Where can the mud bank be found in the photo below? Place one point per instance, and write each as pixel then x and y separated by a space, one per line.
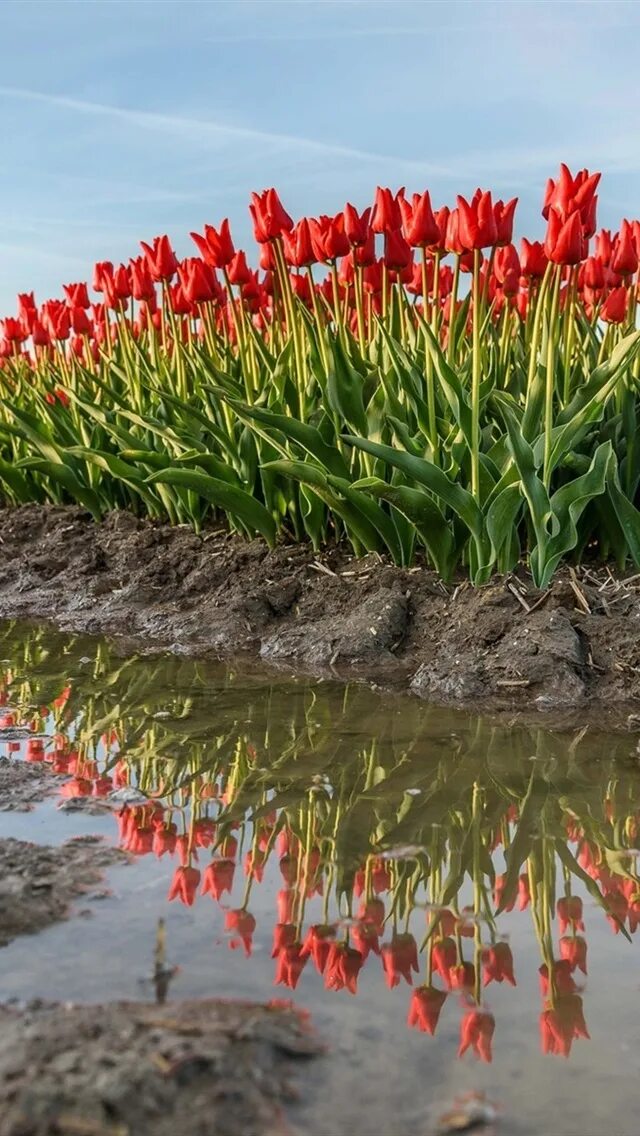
pixel 38 884
pixel 503 646
pixel 121 1069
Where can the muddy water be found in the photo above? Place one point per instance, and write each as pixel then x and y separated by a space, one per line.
pixel 404 873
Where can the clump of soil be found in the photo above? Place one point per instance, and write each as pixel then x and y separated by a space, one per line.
pixel 204 1068
pixel 505 645
pixel 38 884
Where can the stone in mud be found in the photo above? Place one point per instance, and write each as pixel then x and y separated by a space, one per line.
pixel 23 785
pixel 373 629
pixel 196 1068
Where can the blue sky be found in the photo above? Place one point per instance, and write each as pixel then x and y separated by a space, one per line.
pixel 125 120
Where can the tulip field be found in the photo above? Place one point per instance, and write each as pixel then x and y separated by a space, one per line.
pixel 403 379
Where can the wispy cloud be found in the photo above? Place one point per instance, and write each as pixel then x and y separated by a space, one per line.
pixel 199 129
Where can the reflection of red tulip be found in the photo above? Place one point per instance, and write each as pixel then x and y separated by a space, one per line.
pixel 318 945
pixel 372 912
pixel 218 878
pixel 424 1008
pixel 399 958
pixel 497 963
pixel 184 885
pixel 573 948
pixel 562 977
pixel 284 935
pixel 561 1024
pixel 569 911
pixel 616 907
pixel 476 1033
pixel 343 967
pixel 164 840
pixel 243 924
pixel 444 957
pixel 365 939
pixel 462 976
pixel 290 966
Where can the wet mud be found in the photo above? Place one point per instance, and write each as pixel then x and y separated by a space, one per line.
pixel 205 1068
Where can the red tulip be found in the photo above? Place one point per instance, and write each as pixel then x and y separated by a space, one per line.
pixel 506 267
pixel 243 925
pixel 503 216
pixel 614 308
pixel 421 228
pixel 625 255
pixel 101 271
pixel 80 321
pixel 216 246
pixel 397 254
pixel 56 318
pixel 142 286
pixel 289 966
pixel 385 215
pixel 160 257
pixel 476 1033
pixel 533 259
pixel 164 839
pixel 476 221
pixel 197 280
pixel 462 976
pixel 564 242
pixel 569 912
pixel 299 247
pixel 14 331
pixel 444 956
pixel 184 885
pixel 561 1024
pixel 238 270
pixel 573 949
pixel 317 944
pixel 284 935
pixel 218 878
pixel 498 964
pixel 27 311
pixel 328 238
pixel 270 219
pixel 399 958
pixel 356 225
pixel 77 295
pixel 425 1007
pixel 342 968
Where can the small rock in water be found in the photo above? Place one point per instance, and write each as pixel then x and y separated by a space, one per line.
pixel 469 1112
pixel 18 734
pixel 403 852
pixel 128 795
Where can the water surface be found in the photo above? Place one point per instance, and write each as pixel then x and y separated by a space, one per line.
pixel 422 881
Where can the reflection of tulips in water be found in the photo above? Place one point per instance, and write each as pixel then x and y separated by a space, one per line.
pixel 492 833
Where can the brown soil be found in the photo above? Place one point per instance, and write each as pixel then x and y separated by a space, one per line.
pixel 38 884
pixel 195 1068
pixel 505 645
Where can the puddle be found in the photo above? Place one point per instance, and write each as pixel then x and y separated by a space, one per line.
pixel 403 872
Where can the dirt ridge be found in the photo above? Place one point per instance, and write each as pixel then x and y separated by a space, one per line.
pixel 506 645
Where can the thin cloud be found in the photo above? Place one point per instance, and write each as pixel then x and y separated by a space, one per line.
pixel 198 129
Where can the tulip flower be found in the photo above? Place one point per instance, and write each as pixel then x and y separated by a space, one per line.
pixel 215 246
pixel 397 253
pixel 385 215
pixel 270 219
pixel 77 295
pixel 373 912
pixel 161 259
pixel 328 238
pixel 289 966
pixel 299 247
pixel 14 331
pixel 444 957
pixel 218 878
pixel 497 963
pixel 476 1033
pixel 421 228
pixel 242 925
pixel 564 242
pixel 476 222
pixel 317 945
pixel 533 259
pixel 561 1024
pixel 399 958
pixel 284 935
pixel 625 256
pixel 142 285
pixel 356 226
pixel 569 912
pixel 57 319
pixel 342 968
pixel 573 948
pixel 425 1008
pixel 196 280
pixel 80 321
pixel 102 271
pixel 614 308
pixel 462 976
pixel 164 839
pixel 27 310
pixel 184 885
pixel 503 216
pixel 562 977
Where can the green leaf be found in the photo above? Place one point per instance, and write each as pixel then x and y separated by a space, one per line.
pixel 422 511
pixel 229 498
